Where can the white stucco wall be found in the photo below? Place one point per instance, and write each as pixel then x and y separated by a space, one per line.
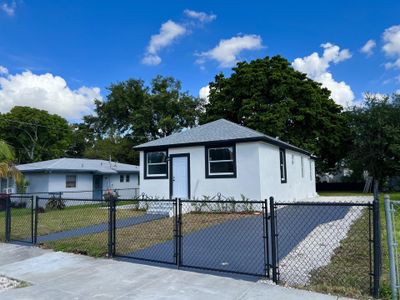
pixel 258 175
pixel 247 175
pixel 38 182
pixel 297 187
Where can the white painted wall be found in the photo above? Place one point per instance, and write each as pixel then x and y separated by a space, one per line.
pixel 38 182
pixel 258 175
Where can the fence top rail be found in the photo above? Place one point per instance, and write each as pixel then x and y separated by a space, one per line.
pixel 21 196
pixel 223 201
pixel 396 202
pixel 71 199
pixel 143 200
pixel 325 203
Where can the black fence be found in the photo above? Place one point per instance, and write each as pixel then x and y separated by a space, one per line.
pixel 318 245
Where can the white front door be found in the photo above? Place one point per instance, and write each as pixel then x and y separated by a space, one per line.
pixel 180 176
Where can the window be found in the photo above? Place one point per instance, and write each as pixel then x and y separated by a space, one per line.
pixel 302 167
pixel 121 178
pixel 282 161
pixel 127 178
pixel 156 165
pixel 70 181
pixel 220 161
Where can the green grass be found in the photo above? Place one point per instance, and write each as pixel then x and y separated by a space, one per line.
pixel 56 220
pixel 385 279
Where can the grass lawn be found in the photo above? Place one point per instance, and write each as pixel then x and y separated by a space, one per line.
pixel 141 236
pixel 59 220
pixel 344 252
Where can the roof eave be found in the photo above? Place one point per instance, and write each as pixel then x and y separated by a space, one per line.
pixel 240 140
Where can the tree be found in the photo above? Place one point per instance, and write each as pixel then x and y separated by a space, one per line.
pixel 134 113
pixel 7 168
pixel 375 131
pixel 35 134
pixel 268 95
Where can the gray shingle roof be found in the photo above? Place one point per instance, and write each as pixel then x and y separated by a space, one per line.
pixel 78 165
pixel 217 131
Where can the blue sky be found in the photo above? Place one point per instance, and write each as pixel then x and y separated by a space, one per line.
pixel 58 55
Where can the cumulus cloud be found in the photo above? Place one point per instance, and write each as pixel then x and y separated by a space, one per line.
pixel 200 16
pixel 227 51
pixel 48 92
pixel 3 70
pixel 9 9
pixel 368 47
pixel 169 32
pixel 204 92
pixel 391 46
pixel 317 68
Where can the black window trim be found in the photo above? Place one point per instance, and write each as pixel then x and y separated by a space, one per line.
pixel 145 165
pixel 219 145
pixel 282 150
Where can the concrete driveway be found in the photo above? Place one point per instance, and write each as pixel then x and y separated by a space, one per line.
pixel 57 275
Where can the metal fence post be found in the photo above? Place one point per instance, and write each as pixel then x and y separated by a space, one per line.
pixel 391 245
pixel 179 223
pixel 8 218
pixel 377 247
pixel 36 212
pixel 111 223
pixel 266 240
pixel 274 263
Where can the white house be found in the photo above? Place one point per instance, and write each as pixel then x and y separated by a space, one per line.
pixel 224 157
pixel 80 178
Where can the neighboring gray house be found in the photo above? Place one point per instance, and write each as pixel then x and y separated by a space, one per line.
pixel 80 178
pixel 224 157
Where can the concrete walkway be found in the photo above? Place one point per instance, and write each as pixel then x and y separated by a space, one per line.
pixel 57 275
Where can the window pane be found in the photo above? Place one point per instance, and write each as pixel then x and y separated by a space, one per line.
pixel 70 181
pixel 157 169
pixel 221 167
pixel 121 178
pixel 156 157
pixel 127 178
pixel 225 153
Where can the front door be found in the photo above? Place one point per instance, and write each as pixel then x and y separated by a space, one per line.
pixel 97 187
pixel 180 176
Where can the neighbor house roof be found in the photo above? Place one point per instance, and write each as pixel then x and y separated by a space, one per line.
pixel 219 131
pixel 78 165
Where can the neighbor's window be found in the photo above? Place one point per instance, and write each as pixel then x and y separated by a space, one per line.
pixel 156 164
pixel 70 181
pixel 302 167
pixel 121 178
pixel 127 178
pixel 221 161
pixel 282 162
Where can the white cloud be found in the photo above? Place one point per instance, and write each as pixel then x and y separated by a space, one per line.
pixel 9 9
pixel 3 70
pixel 227 51
pixel 368 47
pixel 201 16
pixel 169 32
pixel 48 92
pixel 391 46
pixel 204 92
pixel 317 68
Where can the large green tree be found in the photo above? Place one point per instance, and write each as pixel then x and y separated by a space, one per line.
pixel 134 113
pixel 35 134
pixel 375 131
pixel 7 167
pixel 268 95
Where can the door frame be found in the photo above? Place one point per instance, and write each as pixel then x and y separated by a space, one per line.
pixel 95 191
pixel 171 171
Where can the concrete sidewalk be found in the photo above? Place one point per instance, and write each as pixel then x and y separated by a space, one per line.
pixel 57 275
